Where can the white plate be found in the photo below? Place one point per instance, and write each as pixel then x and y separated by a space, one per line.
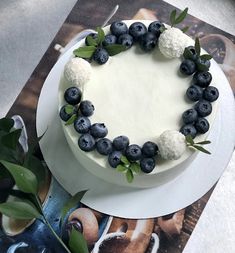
pixel 183 190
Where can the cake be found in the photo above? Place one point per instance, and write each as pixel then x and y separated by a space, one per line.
pixel 135 111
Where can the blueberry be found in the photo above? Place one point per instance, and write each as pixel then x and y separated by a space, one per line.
pixel 148 41
pixel 125 40
pixel 86 108
pixel 93 36
pixel 115 158
pixel 86 142
pixel 133 152
pixel 104 146
pixel 109 39
pixel 202 79
pixel 155 27
pixel 100 56
pixel 202 64
pixel 149 149
pixel 147 165
pixel 194 93
pixel 203 108
pixel 73 95
pixel 98 130
pixel 189 116
pixel 187 67
pixel 211 93
pixel 192 55
pixel 137 29
pixel 202 125
pixel 189 130
pixel 118 28
pixel 66 116
pixel 121 142
pixel 82 124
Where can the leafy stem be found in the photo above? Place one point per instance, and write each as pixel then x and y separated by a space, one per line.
pixel 174 19
pixel 197 145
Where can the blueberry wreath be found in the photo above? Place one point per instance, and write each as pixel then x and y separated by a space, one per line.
pixel 131 158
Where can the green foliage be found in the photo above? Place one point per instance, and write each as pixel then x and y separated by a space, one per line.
pixel 197 145
pixel 174 19
pixel 77 243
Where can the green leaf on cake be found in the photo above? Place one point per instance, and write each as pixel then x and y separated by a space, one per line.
pixel 125 160
pixel 197 46
pixel 101 35
pixel 115 49
pixel 206 57
pixel 11 139
pixel 91 41
pixel 71 120
pixel 172 17
pixel 200 148
pixel 77 242
pixel 129 176
pixel 185 29
pixel 84 52
pixel 189 139
pixel 6 124
pixel 69 109
pixel 135 167
pixel 202 67
pixel 203 142
pixel 181 16
pixel 121 168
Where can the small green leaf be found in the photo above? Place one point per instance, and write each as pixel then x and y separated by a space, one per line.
pixel 71 120
pixel 25 180
pixel 203 142
pixel 115 49
pixel 19 210
pixel 11 139
pixel 6 124
pixel 121 168
pixel 101 35
pixel 125 160
pixel 135 167
pixel 202 67
pixel 84 52
pixel 201 149
pixel 162 29
pixel 77 242
pixel 129 176
pixel 172 17
pixel 189 139
pixel 91 41
pixel 71 203
pixel 206 57
pixel 181 16
pixel 187 54
pixel 197 46
pixel 69 109
pixel 185 29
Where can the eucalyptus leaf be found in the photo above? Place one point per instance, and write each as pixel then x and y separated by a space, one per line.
pixel 84 52
pixel 11 139
pixel 121 168
pixel 189 139
pixel 71 120
pixel 197 46
pixel 201 149
pixel 135 167
pixel 25 180
pixel 73 201
pixel 19 210
pixel 115 49
pixel 173 17
pixel 6 124
pixel 181 16
pixel 91 41
pixel 125 160
pixel 69 109
pixel 185 29
pixel 203 142
pixel 129 176
pixel 77 242
pixel 206 57
pixel 100 35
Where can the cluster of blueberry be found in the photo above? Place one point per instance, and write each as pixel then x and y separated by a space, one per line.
pixel 120 34
pixel 92 136
pixel 199 91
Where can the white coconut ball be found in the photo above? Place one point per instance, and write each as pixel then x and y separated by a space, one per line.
pixel 172 42
pixel 171 145
pixel 77 71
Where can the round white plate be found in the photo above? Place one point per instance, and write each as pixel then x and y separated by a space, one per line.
pixel 126 202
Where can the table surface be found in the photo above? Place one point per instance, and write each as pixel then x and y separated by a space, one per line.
pixel 217 221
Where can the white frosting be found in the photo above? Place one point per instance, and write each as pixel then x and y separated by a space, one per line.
pixel 173 41
pixel 171 144
pixel 77 72
pixel 139 95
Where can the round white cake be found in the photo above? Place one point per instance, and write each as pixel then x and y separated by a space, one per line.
pixel 139 95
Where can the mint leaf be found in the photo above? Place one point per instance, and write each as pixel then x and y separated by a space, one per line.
pixel 71 203
pixel 181 16
pixel 71 120
pixel 6 124
pixel 197 46
pixel 25 180
pixel 11 139
pixel 121 168
pixel 201 149
pixel 202 67
pixel 69 109
pixel 189 140
pixel 203 142
pixel 135 167
pixel 172 17
pixel 129 176
pixel 115 49
pixel 77 242
pixel 185 29
pixel 125 160
pixel 206 57
pixel 101 35
pixel 84 52
pixel 19 210
pixel 91 41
